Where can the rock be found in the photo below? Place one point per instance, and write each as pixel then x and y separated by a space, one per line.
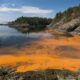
pixel 76 31
pixel 70 27
pixel 67 21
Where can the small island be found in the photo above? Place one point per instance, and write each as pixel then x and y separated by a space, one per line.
pixel 30 24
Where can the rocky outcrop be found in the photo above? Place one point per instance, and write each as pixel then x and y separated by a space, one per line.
pixel 72 27
pixel 67 21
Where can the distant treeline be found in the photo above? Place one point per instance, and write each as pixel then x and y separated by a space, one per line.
pixel 67 15
pixel 25 24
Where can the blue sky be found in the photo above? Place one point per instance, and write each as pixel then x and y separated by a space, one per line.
pixel 12 9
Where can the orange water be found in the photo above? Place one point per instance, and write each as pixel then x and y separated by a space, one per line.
pixel 40 59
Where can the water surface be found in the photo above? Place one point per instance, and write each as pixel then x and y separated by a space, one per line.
pixel 12 37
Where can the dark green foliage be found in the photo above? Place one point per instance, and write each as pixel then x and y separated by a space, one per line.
pixel 33 21
pixel 30 24
pixel 67 15
pixel 57 17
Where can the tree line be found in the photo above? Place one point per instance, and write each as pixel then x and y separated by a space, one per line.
pixel 67 15
pixel 25 24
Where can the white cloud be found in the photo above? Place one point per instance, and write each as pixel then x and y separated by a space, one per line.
pixel 26 9
pixel 35 10
pixel 6 9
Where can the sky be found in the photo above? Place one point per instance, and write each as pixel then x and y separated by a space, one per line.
pixel 12 9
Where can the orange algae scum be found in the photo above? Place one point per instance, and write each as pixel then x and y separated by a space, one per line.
pixel 45 57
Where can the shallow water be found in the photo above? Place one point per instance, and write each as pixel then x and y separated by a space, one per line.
pixel 11 37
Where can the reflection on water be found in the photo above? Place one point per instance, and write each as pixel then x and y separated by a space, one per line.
pixel 11 37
